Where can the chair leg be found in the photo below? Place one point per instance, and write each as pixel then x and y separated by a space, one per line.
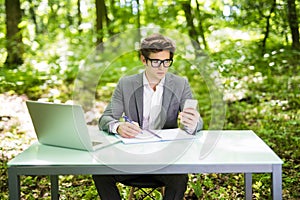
pixel 132 190
pixel 131 193
pixel 148 193
pixel 162 191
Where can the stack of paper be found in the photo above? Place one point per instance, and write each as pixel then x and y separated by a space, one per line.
pixel 158 136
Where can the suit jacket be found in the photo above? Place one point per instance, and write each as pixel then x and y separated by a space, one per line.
pixel 128 99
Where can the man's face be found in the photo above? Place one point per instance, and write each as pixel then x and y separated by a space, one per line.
pixel 156 74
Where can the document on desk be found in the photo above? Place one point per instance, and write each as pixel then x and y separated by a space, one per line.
pixel 158 136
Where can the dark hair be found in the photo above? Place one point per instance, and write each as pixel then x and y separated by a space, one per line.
pixel 156 43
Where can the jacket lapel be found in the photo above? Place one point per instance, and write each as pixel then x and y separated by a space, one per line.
pixel 139 97
pixel 167 96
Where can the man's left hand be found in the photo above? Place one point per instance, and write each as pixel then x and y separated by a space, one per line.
pixel 189 117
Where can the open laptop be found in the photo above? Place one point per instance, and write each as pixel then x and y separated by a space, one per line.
pixel 64 125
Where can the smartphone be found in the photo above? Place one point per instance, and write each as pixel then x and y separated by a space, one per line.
pixel 190 103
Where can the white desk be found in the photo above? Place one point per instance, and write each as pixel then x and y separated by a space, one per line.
pixel 211 152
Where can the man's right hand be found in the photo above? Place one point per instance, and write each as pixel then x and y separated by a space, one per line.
pixel 128 130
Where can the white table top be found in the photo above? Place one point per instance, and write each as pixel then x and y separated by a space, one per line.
pixel 232 147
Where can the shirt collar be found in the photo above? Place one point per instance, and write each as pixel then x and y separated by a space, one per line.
pixel 146 82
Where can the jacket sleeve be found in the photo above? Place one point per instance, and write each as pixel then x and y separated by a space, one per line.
pixel 114 109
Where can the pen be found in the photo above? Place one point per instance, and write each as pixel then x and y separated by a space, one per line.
pixel 153 133
pixel 127 119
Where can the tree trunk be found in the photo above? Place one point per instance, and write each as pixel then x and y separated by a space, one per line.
pixel 268 27
pixel 293 22
pixel 190 25
pixel 68 7
pixel 201 30
pixel 14 44
pixel 107 20
pixel 99 21
pixel 79 12
pixel 33 16
pixel 138 20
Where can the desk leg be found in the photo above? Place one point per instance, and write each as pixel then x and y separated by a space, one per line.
pixel 54 187
pixel 277 182
pixel 248 185
pixel 13 184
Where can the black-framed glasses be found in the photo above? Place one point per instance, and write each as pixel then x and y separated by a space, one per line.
pixel 155 63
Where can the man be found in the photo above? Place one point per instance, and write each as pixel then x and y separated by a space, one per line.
pixel 152 100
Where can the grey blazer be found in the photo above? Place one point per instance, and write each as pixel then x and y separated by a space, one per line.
pixel 128 99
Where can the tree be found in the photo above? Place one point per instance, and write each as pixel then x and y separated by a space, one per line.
pixel 293 23
pixel 268 17
pixel 138 19
pixel 14 44
pixel 79 13
pixel 99 20
pixel 186 6
pixel 32 9
pixel 101 17
pixel 201 29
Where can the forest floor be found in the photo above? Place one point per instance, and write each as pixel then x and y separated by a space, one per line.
pixel 17 134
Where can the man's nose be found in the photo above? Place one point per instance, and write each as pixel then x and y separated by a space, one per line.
pixel 161 66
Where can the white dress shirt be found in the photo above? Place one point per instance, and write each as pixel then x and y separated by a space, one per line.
pixel 152 103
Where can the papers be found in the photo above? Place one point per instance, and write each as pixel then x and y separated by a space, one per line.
pixel 158 136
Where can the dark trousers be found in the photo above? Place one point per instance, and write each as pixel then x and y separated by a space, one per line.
pixel 175 185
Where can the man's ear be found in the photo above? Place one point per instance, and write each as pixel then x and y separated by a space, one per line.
pixel 143 59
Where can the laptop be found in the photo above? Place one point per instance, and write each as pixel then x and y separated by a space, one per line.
pixel 64 125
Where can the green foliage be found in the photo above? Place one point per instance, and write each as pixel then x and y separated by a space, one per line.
pixel 24 82
pixel 217 186
pixel 3 177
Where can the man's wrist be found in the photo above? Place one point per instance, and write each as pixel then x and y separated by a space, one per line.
pixel 114 127
pixel 191 131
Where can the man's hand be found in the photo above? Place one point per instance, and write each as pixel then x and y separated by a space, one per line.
pixel 128 130
pixel 189 117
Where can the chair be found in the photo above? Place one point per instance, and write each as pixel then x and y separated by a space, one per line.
pixel 141 183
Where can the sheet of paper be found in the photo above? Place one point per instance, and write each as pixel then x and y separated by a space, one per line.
pixel 164 135
pixel 174 134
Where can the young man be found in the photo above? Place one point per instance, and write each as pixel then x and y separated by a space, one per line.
pixel 152 100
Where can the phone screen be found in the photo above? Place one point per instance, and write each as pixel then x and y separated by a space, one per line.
pixel 190 103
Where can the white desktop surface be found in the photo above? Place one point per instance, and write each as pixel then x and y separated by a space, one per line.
pixel 231 147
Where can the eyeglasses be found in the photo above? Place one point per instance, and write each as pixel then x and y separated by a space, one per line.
pixel 155 63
